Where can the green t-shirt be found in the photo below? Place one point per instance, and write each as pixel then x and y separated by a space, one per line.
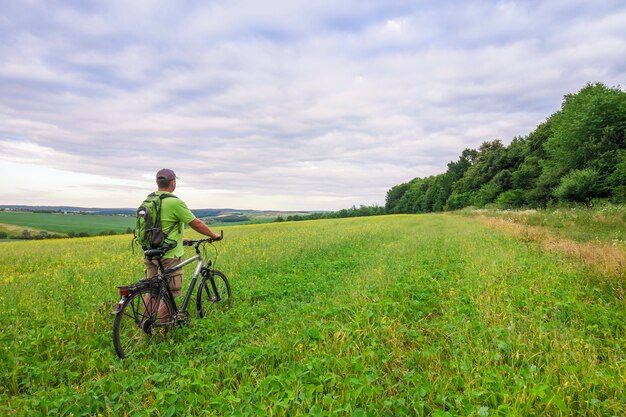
pixel 175 211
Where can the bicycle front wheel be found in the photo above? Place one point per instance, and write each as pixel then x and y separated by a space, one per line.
pixel 146 315
pixel 213 294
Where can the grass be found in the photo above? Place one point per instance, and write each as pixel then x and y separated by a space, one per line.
pixel 600 223
pixel 395 315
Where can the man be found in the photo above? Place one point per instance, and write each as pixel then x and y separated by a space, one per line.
pixel 174 215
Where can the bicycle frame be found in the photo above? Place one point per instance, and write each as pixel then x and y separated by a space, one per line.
pixel 128 290
pixel 192 283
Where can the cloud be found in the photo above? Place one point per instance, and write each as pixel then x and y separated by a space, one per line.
pixel 316 105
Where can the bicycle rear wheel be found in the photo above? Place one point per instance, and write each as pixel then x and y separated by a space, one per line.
pixel 139 323
pixel 213 294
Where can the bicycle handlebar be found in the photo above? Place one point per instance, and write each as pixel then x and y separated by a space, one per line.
pixel 198 242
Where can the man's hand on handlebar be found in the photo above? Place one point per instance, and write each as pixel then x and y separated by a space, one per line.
pixel 214 237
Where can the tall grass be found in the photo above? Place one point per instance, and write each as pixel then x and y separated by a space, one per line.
pixel 603 222
pixel 393 315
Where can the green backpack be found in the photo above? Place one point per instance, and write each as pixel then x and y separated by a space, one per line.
pixel 148 231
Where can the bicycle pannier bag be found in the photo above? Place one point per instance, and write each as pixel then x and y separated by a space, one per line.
pixel 148 231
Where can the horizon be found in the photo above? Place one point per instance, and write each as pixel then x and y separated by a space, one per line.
pixel 282 106
pixel 58 207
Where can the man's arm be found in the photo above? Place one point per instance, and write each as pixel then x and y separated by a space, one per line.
pixel 199 226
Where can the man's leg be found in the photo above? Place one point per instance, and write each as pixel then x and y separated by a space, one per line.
pixel 175 284
pixel 152 270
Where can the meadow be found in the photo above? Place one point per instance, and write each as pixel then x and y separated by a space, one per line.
pixel 432 314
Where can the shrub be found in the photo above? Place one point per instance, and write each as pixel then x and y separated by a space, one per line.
pixel 458 201
pixel 511 199
pixel 579 185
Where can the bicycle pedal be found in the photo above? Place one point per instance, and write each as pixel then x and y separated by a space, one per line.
pixel 181 316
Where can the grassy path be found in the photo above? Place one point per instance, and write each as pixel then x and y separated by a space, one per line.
pixel 395 315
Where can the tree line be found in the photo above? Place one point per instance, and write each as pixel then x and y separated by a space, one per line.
pixel 577 155
pixel 351 212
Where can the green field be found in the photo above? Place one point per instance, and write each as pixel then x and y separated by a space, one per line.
pixel 399 315
pixel 63 223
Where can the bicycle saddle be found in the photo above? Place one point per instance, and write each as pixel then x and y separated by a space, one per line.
pixel 155 253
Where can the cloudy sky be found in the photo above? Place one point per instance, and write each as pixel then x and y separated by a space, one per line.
pixel 279 104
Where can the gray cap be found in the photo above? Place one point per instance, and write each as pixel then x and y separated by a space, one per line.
pixel 167 174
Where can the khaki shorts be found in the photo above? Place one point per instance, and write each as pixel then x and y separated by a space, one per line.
pixel 176 279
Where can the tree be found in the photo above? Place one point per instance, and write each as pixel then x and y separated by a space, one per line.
pixel 412 199
pixel 500 183
pixel 456 170
pixel 438 192
pixel 491 158
pixel 590 123
pixel 525 177
pixel 394 195
pixel 617 180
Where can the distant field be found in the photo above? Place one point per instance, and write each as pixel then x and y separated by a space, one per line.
pixel 14 224
pixel 63 223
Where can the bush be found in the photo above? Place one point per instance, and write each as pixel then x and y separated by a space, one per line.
pixel 511 199
pixel 458 201
pixel 581 185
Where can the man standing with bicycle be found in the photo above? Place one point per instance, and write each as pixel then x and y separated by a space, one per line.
pixel 174 215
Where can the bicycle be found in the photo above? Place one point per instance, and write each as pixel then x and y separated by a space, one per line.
pixel 137 317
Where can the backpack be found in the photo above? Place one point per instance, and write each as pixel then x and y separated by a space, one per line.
pixel 148 231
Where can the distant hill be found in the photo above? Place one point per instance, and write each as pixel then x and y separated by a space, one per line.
pixel 209 212
pixel 69 209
